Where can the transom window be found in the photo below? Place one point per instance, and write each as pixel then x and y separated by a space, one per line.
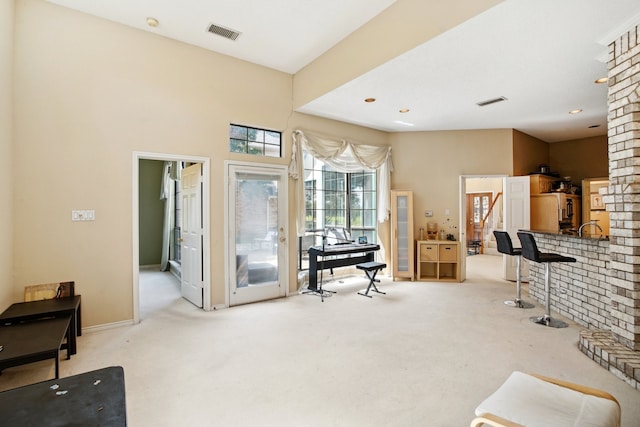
pixel 259 142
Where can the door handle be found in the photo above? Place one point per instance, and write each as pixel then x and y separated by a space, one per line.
pixel 283 239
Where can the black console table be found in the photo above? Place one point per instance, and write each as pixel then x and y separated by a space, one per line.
pixel 57 307
pixel 34 341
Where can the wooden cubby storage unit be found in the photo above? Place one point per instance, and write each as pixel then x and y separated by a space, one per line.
pixel 438 260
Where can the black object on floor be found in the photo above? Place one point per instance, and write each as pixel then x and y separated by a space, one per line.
pixel 95 398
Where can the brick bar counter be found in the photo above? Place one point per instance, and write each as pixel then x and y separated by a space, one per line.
pixel 581 292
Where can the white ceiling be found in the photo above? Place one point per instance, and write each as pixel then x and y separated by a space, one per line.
pixel 281 34
pixel 542 55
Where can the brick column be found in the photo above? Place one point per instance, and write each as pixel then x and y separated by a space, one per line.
pixel 623 200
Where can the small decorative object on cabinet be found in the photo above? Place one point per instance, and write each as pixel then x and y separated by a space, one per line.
pixel 438 260
pixel 402 257
pixel 432 231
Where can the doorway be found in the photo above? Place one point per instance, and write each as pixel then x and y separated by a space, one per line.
pixel 478 190
pixel 159 291
pixel 256 206
pixel 478 205
pixel 204 220
pixel 515 213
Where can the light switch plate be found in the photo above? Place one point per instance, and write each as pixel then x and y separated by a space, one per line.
pixel 83 215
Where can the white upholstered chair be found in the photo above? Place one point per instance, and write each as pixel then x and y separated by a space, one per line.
pixel 535 401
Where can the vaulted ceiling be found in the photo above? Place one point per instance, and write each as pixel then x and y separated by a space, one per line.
pixel 541 56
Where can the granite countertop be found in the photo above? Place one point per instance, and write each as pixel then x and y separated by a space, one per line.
pixel 572 235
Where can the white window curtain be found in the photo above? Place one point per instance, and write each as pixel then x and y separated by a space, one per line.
pixel 170 174
pixel 343 156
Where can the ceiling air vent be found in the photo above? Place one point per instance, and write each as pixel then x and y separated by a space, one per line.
pixel 491 101
pixel 227 33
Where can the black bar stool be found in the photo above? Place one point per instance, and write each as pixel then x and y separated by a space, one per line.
pixel 530 251
pixel 506 247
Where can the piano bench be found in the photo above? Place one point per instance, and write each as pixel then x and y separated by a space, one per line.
pixel 371 269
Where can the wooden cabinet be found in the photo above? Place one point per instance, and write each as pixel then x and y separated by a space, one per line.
pixel 539 184
pixel 550 212
pixel 402 255
pixel 438 260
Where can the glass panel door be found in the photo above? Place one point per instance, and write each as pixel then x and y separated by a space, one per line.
pixel 403 234
pixel 257 233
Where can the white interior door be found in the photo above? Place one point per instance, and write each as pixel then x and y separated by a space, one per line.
pixel 517 216
pixel 462 227
pixel 191 245
pixel 257 232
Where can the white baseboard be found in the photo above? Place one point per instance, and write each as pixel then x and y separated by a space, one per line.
pixel 106 326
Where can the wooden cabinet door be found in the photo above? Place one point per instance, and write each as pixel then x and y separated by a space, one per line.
pixel 540 184
pixel 545 213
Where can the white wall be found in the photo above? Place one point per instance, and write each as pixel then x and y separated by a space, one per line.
pixel 6 141
pixel 89 93
pixel 430 164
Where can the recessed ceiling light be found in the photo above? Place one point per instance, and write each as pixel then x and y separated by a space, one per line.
pixel 404 110
pixel 152 22
pixel 602 80
pixel 576 111
pixel 370 100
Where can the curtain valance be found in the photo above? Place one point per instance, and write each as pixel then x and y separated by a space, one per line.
pixel 343 156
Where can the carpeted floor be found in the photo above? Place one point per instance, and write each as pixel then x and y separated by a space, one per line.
pixel 424 354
